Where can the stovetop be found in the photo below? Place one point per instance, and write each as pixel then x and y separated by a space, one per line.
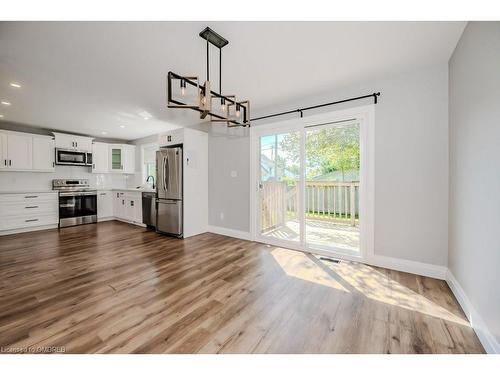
pixel 72 184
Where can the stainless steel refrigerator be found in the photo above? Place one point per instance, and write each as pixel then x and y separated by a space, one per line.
pixel 169 208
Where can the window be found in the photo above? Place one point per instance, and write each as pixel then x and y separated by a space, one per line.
pixel 150 169
pixel 149 161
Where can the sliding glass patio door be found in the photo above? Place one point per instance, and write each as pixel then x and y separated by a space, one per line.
pixel 332 174
pixel 279 187
pixel 311 192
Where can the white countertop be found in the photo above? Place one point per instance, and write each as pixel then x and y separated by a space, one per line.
pixel 140 190
pixel 27 191
pixel 42 190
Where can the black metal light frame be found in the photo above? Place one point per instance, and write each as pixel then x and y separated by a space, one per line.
pixel 218 41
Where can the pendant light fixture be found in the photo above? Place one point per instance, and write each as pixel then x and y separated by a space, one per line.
pixel 188 93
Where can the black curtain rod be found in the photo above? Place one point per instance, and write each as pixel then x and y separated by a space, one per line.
pixel 300 110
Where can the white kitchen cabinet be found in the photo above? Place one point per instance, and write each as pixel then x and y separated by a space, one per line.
pixel 115 158
pixel 128 159
pixel 119 204
pixel 18 151
pixel 100 157
pixel 133 210
pixel 171 138
pixel 43 153
pixel 73 142
pixel 26 152
pixel 3 151
pixel 121 158
pixel 104 204
pixel 127 206
pixel 21 212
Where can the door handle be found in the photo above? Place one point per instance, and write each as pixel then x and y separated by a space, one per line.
pixel 164 173
pixel 31 207
pixel 167 175
pixel 10 162
pixel 29 220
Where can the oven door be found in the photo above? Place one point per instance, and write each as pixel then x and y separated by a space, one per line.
pixel 77 208
pixel 70 157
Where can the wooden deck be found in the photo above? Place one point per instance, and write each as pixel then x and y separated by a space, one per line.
pixel 117 288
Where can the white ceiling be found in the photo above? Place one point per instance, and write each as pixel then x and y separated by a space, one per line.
pixel 89 77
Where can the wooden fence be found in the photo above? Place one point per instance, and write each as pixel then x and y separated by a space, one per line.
pixel 324 200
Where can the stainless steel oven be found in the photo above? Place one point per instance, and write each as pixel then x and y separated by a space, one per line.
pixel 73 157
pixel 77 202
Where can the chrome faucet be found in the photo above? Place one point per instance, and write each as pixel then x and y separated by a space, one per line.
pixel 147 180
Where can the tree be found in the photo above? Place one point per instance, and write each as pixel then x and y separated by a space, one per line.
pixel 327 150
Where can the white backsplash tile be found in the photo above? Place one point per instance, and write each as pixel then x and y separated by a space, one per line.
pixel 41 180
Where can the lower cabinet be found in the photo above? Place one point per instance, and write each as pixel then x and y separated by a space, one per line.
pixel 127 205
pixel 104 204
pixel 30 210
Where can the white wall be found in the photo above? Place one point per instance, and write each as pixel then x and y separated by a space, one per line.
pixel 411 165
pixel 229 195
pixel 474 241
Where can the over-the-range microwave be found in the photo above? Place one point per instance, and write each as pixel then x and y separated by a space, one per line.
pixel 73 157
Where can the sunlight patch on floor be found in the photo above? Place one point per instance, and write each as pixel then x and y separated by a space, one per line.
pixel 359 278
pixel 299 265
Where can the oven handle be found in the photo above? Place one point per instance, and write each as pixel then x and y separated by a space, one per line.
pixel 77 194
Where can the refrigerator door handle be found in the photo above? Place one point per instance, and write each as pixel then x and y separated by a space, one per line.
pixel 167 174
pixel 164 177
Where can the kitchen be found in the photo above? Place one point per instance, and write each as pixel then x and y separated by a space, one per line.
pixel 50 181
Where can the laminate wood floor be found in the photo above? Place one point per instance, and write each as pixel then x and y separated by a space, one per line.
pixel 117 288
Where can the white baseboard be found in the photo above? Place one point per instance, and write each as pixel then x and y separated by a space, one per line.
pixel 28 229
pixel 490 344
pixel 410 266
pixel 229 232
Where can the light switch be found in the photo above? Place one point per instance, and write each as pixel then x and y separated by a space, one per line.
pixel 234 174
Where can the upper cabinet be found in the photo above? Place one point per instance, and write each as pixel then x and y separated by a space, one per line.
pixel 43 153
pixel 32 152
pixel 128 159
pixel 121 158
pixel 16 150
pixel 171 138
pixel 3 151
pixel 100 152
pixel 73 142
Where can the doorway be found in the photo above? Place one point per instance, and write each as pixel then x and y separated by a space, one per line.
pixel 314 183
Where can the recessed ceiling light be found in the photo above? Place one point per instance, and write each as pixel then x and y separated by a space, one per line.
pixel 122 126
pixel 1 116
pixel 5 103
pixel 104 133
pixel 16 85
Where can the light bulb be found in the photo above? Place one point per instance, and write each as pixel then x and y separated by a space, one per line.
pixel 237 110
pixel 183 87
pixel 223 104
